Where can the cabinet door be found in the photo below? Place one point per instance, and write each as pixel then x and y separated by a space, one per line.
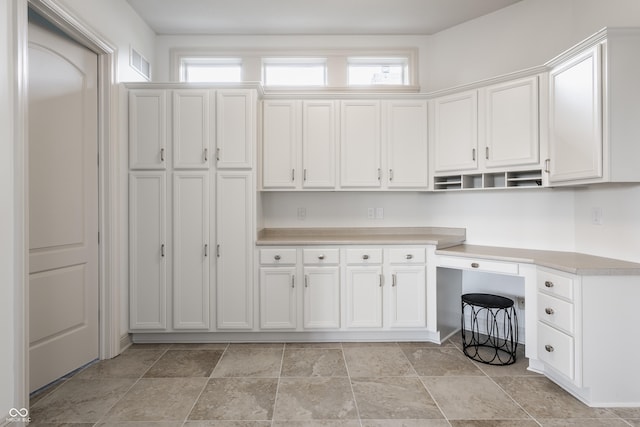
pixel 235 121
pixel 360 144
pixel 319 144
pixel 322 297
pixel 191 250
pixel 280 144
pixel 148 250
pixel 511 123
pixel 147 129
pixel 192 117
pixel 408 296
pixel 234 251
pixel 575 120
pixel 405 131
pixel 278 300
pixel 456 132
pixel 364 297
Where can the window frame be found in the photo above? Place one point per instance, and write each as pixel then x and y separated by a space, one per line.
pixel 210 61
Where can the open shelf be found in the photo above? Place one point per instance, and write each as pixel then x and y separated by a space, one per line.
pixel 489 180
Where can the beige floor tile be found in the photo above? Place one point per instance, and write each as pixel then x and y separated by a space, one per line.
pixel 626 412
pixel 140 424
pixel 249 362
pixel 184 363
pixel 405 423
pixel 443 361
pixel 377 362
pixel 543 399
pixel 130 364
pixel 249 399
pixel 199 346
pixel 634 422
pixel 472 398
pixel 332 345
pixel 256 345
pixel 317 423
pixel 494 423
pixel 582 422
pixel 423 344
pixel 224 423
pixel 369 344
pixel 80 401
pixel 157 399
pixel 315 398
pixel 393 398
pixel 149 346
pixel 312 362
pixel 516 369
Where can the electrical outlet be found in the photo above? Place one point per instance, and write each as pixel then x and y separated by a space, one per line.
pixel 371 213
pixel 520 302
pixel 302 213
pixel 379 213
pixel 596 216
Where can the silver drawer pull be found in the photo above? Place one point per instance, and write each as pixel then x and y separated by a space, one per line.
pixel 393 280
pixel 277 257
pixel 365 256
pixel 409 256
pixel 549 348
pixel 475 265
pixel 162 154
pixel 548 284
pixel 321 257
pixel 206 155
pixel 293 281
pixel 549 310
pixel 206 250
pixel 162 250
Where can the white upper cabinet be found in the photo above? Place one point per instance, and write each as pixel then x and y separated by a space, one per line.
pixel 192 128
pixel 319 135
pixel 148 129
pixel 511 135
pixel 235 122
pixel 456 132
pixel 281 144
pixel 593 113
pixel 404 129
pixel 360 144
pixel 575 117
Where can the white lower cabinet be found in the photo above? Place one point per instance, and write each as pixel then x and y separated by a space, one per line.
pixel 364 296
pixel 278 300
pixel 342 288
pixel 321 297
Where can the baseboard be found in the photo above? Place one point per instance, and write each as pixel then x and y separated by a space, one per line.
pixel 125 342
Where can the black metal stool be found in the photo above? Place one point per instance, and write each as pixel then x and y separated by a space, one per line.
pixel 497 341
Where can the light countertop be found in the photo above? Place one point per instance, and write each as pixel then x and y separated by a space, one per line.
pixel 570 262
pixel 441 237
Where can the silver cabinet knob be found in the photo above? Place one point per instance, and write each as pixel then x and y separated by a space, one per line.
pixel 277 257
pixel 549 348
pixel 475 265
pixel 321 257
pixel 409 256
pixel 365 256
pixel 549 310
pixel 548 284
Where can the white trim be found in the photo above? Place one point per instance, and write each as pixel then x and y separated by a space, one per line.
pixel 109 334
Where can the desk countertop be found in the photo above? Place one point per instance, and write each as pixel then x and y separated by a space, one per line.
pixel 570 262
pixel 441 237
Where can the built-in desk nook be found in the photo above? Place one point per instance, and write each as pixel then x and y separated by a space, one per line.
pixel 580 315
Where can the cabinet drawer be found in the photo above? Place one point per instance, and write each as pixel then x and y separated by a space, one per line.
pixel 407 256
pixel 364 256
pixel 555 312
pixel 478 264
pixel 555 348
pixel 320 256
pixel 555 284
pixel 278 256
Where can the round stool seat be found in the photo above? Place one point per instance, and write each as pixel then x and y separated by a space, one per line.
pixel 489 328
pixel 487 300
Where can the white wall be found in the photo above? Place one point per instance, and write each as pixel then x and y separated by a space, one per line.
pixel 118 23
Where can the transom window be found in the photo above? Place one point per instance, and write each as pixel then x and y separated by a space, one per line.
pixel 211 70
pixel 294 71
pixel 377 71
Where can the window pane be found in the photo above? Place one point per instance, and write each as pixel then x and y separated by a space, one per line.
pixel 368 74
pixel 212 73
pixel 294 75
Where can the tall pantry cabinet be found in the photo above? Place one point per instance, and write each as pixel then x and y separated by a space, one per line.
pixel 191 190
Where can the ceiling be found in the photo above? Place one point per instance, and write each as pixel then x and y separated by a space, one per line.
pixel 308 17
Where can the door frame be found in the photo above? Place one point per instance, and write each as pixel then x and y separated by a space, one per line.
pixel 108 183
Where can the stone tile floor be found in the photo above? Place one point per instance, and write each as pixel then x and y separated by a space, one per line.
pixel 309 385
